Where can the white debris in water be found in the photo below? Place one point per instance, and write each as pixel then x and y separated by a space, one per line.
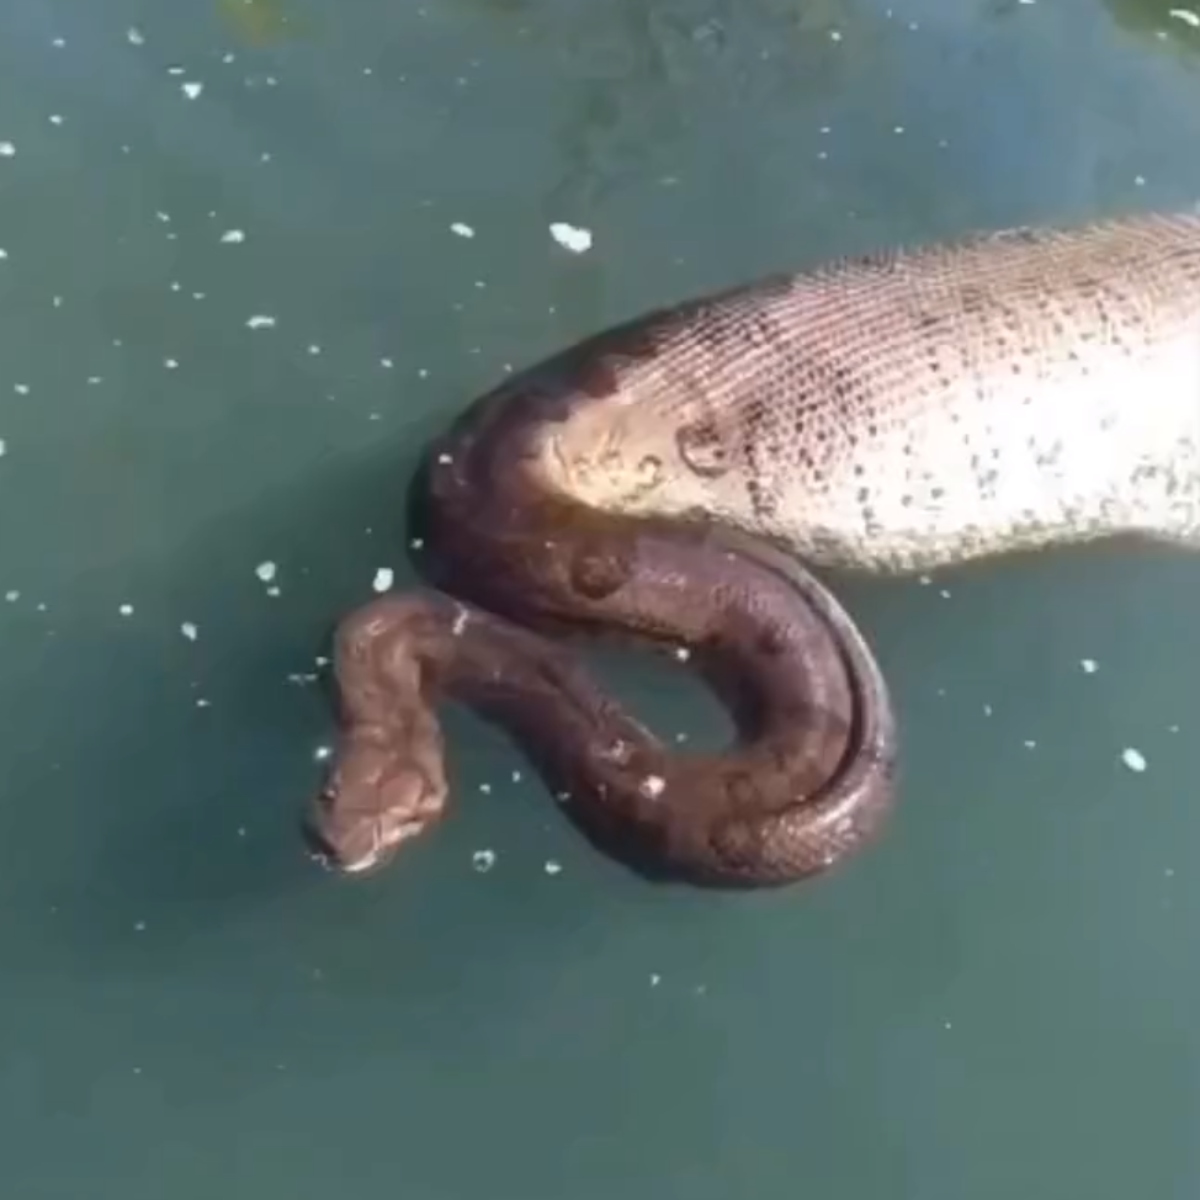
pixel 483 860
pixel 1133 759
pixel 383 580
pixel 3 253
pixel 572 237
pixel 682 653
pixel 987 710
pixel 944 593
pixel 231 236
pixel 322 754
pixel 12 595
pixel 126 610
pixel 273 591
pixel 22 389
pixel 486 788
pixel 56 119
pixel 462 230
pixel 1090 665
pixel 552 867
pixel 7 149
pixel 655 979
pixel 134 36
pixel 266 571
pixel 1186 16
pixel 192 89
pixel 3 447
pixel 1030 744
pixel 139 926
pixel 261 321
pixel 171 363
pixel 189 631
pixel 202 703
pixel 652 785
pixel 387 363
pixel 516 777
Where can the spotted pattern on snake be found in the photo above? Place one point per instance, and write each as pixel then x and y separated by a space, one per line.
pixel 668 480
pixel 920 407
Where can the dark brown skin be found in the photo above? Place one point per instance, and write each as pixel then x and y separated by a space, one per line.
pixel 811 776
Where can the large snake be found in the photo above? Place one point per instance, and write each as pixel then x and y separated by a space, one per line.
pixel 664 480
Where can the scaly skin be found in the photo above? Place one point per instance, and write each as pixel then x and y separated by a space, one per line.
pixel 890 413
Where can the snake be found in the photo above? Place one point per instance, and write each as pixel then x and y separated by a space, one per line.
pixel 676 481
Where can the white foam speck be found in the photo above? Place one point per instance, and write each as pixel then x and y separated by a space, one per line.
pixel 552 867
pixel 1186 16
pixel 171 363
pixel 3 447
pixel 462 230
pixel 134 36
pixel 189 631
pixel 483 860
pixel 266 571
pixel 191 89
pixel 1030 744
pixel 261 321
pixel 55 119
pixel 22 389
pixel 383 580
pixel 572 237
pixel 7 149
pixel 230 236
pixel 652 785
pixel 126 610
pixel 1089 665
pixel 12 596
pixel 3 253
pixel 1133 759
pixel 655 979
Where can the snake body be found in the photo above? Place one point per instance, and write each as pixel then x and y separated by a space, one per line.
pixel 664 481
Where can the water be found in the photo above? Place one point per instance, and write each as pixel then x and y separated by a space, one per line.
pixel 994 1002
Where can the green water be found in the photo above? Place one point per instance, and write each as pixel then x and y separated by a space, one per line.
pixel 992 1004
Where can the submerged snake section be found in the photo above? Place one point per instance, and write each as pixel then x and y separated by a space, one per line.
pixel 663 483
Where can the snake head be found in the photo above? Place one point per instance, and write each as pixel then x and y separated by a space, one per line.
pixel 385 787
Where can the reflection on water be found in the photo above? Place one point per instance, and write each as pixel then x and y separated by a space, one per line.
pixel 259 22
pixel 1173 21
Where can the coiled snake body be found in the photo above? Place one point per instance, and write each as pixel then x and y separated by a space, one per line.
pixel 664 481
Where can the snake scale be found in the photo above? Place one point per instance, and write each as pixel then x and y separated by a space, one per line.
pixel 670 480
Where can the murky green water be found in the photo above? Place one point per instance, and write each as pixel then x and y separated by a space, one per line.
pixel 993 1004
